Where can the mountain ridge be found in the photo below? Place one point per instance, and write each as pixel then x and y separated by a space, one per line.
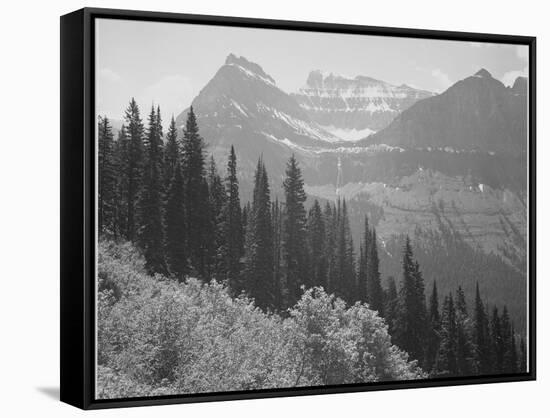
pixel 357 103
pixel 476 113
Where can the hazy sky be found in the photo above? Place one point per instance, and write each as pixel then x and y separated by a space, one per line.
pixel 169 63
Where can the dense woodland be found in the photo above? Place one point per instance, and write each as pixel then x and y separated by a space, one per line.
pixel 162 194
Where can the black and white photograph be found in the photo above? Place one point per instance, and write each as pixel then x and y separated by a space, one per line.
pixel 282 209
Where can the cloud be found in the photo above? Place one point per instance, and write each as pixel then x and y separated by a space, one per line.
pixel 443 80
pixel 509 77
pixel 109 75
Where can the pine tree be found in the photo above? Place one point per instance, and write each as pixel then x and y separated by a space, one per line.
pixel 217 203
pixel 176 256
pixel 420 302
pixel 196 195
pixel 329 216
pixel 233 226
pixel 120 186
pixel 446 363
pixel 497 347
pixel 132 165
pixel 391 307
pixel 106 196
pixel 151 229
pixel 410 326
pixel 258 269
pixel 508 344
pixel 316 242
pixel 464 342
pixel 362 272
pixel 348 271
pixel 481 338
pixel 294 232
pixel 375 295
pixel 434 331
pixel 276 231
pixel 343 275
pixel 172 153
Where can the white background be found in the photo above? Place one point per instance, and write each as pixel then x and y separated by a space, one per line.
pixel 29 207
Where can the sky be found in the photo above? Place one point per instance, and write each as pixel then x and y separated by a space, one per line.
pixel 167 64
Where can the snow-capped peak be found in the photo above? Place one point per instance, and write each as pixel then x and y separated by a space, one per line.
pixel 249 68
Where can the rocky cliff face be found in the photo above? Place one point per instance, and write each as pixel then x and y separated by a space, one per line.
pixel 352 108
pixel 490 219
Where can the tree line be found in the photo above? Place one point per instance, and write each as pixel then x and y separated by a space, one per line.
pixel 450 340
pixel 163 193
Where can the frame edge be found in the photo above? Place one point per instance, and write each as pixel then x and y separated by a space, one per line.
pixel 72 306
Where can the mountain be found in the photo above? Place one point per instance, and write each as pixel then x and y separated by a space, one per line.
pixel 476 114
pixel 243 106
pixel 352 108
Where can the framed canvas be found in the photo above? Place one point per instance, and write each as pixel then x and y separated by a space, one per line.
pixel 255 208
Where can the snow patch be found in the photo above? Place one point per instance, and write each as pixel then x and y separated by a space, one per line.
pixel 370 150
pixel 301 127
pixel 239 108
pixel 351 135
pixel 254 75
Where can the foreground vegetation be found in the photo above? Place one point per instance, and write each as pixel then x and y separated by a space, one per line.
pixel 157 336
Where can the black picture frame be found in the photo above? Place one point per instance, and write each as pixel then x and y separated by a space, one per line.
pixel 77 372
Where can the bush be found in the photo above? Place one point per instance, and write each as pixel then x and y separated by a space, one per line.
pixel 157 336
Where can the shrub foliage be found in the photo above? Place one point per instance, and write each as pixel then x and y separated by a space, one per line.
pixel 157 336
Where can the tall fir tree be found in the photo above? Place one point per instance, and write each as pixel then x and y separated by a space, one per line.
pixel 329 217
pixel 362 271
pixel 233 240
pixel 258 269
pixel 294 232
pixel 508 343
pixel 172 153
pixel 132 166
pixel 151 229
pixel 176 233
pixel 464 349
pixel 121 186
pixel 481 337
pixel 446 363
pixel 316 243
pixel 343 274
pixel 375 293
pixel 434 331
pixel 217 203
pixel 106 196
pixel 497 344
pixel 196 196
pixel 277 233
pixel 410 325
